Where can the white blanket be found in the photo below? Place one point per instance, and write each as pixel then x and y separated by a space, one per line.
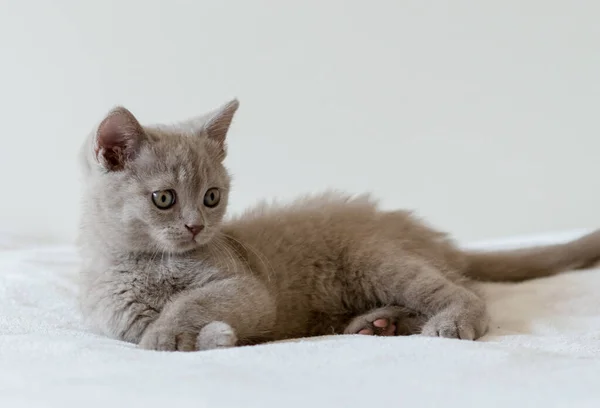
pixel 543 350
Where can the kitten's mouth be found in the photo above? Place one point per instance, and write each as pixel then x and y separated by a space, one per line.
pixel 201 239
pixel 188 244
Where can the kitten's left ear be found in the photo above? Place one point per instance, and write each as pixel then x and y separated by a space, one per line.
pixel 118 139
pixel 216 125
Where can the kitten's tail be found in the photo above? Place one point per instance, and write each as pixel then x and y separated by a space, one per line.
pixel 530 263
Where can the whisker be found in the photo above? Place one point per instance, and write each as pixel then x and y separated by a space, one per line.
pixel 222 246
pixel 262 258
pixel 228 248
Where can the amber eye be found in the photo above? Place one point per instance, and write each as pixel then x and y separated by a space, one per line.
pixel 212 197
pixel 164 199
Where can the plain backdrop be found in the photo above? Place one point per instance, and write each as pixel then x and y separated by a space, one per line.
pixel 481 115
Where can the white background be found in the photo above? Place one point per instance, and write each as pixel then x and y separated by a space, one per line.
pixel 481 115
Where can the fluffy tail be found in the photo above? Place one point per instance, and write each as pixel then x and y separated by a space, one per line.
pixel 530 263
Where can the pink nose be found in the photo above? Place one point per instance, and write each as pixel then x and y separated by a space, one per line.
pixel 195 229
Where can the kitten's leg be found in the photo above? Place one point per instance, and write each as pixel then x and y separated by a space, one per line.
pixel 220 314
pixel 452 310
pixel 386 321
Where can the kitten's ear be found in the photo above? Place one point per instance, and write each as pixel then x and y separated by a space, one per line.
pixel 118 139
pixel 217 123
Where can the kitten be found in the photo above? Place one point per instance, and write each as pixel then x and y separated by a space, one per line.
pixel 163 269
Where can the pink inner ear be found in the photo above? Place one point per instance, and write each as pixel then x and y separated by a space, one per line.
pixel 119 136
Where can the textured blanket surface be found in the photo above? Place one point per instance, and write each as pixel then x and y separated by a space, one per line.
pixel 543 350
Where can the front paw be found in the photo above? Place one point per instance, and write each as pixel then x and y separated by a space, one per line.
pixel 216 335
pixel 168 339
pixel 213 335
pixel 458 323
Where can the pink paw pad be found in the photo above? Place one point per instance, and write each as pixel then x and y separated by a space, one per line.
pixel 379 327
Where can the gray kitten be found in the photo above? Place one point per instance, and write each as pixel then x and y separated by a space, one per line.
pixel 161 268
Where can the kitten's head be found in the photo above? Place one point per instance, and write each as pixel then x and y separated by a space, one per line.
pixel 156 188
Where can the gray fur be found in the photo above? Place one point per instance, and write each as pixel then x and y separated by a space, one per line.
pixel 324 264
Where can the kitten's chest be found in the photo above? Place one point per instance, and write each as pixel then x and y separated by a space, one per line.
pixel 156 282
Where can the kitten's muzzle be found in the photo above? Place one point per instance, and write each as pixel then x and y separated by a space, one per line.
pixel 194 229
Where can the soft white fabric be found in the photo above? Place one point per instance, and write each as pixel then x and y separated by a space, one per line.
pixel 543 350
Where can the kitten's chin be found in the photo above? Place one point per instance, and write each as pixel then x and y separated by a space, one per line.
pixel 181 247
pixel 176 247
pixel 187 247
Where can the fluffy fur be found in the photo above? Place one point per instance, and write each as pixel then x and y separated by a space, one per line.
pixel 324 264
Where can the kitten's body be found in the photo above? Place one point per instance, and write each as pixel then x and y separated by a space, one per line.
pixel 322 265
pixel 324 258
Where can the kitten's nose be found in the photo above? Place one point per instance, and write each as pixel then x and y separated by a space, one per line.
pixel 195 229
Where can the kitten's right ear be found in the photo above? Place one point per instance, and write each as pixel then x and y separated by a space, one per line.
pixel 118 139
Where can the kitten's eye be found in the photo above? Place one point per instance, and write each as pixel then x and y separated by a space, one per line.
pixel 212 197
pixel 164 199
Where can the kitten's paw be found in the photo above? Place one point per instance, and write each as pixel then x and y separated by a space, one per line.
pixel 165 339
pixel 458 323
pixel 216 335
pixel 385 321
